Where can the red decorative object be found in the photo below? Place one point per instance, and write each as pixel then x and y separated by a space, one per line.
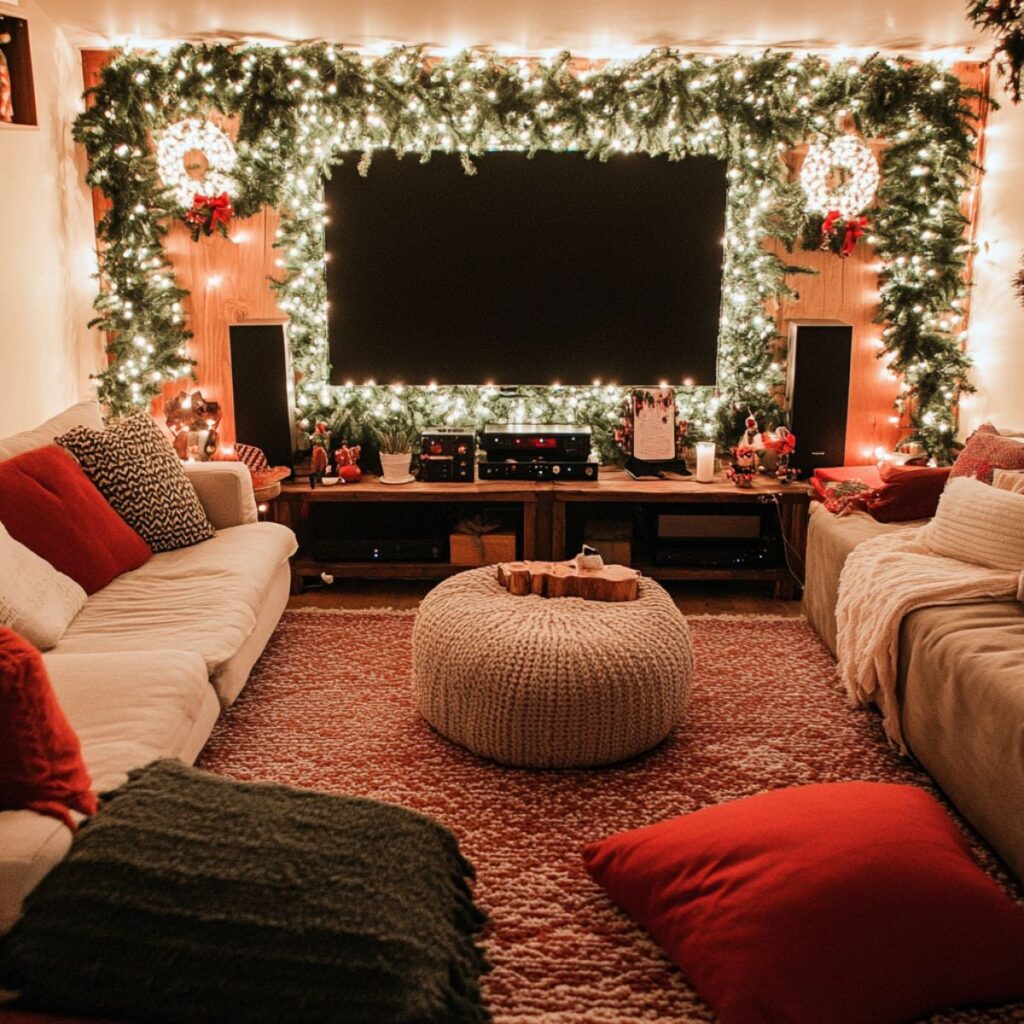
pixel 561 950
pixel 853 229
pixel 50 505
pixel 852 904
pixel 209 214
pixel 907 492
pixel 41 766
pixel 986 450
pixel 263 474
pixel 346 459
pixel 320 439
pixel 744 466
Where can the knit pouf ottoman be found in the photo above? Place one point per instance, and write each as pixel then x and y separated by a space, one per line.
pixel 542 682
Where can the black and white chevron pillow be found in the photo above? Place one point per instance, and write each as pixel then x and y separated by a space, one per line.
pixel 135 468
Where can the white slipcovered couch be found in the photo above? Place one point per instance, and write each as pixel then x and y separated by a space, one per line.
pixel 145 668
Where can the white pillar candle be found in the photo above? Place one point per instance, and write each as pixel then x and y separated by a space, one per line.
pixel 705 462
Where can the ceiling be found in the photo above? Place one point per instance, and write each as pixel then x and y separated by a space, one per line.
pixel 595 28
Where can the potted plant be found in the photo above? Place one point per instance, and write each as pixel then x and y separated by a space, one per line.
pixel 395 455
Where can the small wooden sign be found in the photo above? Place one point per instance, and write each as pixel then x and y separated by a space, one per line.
pixel 564 579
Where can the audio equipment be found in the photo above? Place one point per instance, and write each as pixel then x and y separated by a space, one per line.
pixel 261 381
pixel 558 442
pixel 716 536
pixel 447 455
pixel 818 391
pixel 540 469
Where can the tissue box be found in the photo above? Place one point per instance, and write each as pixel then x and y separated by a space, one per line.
pixel 483 548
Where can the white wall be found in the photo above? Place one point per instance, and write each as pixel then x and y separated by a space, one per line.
pixel 46 243
pixel 996 338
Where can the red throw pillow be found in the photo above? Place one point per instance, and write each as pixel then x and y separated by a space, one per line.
pixel 985 451
pixel 41 766
pixel 907 492
pixel 851 903
pixel 50 505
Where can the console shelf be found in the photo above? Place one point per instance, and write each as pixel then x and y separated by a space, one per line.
pixel 543 513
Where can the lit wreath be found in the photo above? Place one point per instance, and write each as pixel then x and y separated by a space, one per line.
pixel 174 142
pixel 856 192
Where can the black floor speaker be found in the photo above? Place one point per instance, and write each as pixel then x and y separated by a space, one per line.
pixel 818 391
pixel 261 380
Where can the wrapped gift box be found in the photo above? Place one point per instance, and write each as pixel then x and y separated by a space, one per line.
pixel 483 548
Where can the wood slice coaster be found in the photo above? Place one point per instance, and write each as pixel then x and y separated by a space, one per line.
pixel 564 579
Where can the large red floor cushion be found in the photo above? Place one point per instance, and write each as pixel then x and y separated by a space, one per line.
pixel 846 903
pixel 49 505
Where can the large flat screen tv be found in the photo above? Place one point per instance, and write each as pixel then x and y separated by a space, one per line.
pixel 555 269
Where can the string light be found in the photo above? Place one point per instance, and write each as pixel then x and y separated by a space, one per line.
pixel 859 171
pixel 340 102
pixel 176 141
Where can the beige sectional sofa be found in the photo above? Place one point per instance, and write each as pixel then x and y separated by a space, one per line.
pixel 147 665
pixel 960 687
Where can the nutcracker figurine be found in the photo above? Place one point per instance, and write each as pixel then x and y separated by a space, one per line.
pixel 320 440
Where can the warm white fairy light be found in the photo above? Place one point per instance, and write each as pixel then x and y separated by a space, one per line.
pixel 181 138
pixel 855 162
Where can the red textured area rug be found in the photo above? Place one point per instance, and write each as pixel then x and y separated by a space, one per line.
pixel 329 707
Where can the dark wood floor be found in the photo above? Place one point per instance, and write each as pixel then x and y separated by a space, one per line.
pixel 692 598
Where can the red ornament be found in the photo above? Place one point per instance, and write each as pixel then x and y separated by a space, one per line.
pixel 350 474
pixel 209 214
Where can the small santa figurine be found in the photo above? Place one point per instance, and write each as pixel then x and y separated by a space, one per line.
pixel 752 437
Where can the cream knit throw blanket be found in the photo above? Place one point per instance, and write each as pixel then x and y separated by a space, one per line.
pixel 884 580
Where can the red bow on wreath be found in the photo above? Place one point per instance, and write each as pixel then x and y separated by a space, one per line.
pixel 209 214
pixel 854 229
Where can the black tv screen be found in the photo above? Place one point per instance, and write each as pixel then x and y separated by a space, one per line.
pixel 555 269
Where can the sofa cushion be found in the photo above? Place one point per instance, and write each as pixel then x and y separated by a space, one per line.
pixel 84 414
pixel 202 599
pixel 980 524
pixel 41 766
pixel 36 601
pixel 135 468
pixel 961 697
pixel 48 504
pixel 31 845
pixel 986 451
pixel 134 707
pixel 852 903
pixel 128 710
pixel 830 539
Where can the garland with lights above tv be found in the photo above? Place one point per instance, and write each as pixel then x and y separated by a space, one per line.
pixel 300 107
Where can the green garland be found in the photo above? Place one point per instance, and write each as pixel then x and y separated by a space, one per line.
pixel 301 108
pixel 1006 19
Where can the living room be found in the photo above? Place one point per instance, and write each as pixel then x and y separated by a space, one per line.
pixel 511 515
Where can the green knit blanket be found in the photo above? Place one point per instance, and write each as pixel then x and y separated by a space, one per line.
pixel 192 898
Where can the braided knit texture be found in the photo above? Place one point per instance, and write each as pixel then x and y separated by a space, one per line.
pixel 192 899
pixel 550 682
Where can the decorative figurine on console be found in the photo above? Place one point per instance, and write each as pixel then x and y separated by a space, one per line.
pixel 782 443
pixel 193 423
pixel 744 465
pixel 346 460
pixel 752 437
pixel 320 440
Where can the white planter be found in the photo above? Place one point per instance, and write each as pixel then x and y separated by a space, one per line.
pixel 395 467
